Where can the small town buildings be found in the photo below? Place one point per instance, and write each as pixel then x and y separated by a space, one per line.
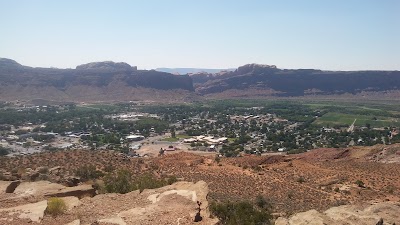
pixel 134 137
pixel 170 148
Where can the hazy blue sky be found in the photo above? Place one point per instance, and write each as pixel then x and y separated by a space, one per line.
pixel 334 34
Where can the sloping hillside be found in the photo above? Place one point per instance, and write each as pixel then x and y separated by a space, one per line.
pixel 318 179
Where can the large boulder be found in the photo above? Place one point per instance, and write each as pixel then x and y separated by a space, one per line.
pixel 172 204
pixel 8 186
pixel 33 212
pixel 77 191
pixel 178 203
pixel 39 188
pixel 48 189
pixel 312 217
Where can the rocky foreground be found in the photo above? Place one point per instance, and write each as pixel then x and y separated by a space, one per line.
pixel 173 204
pixel 26 202
pixel 374 213
pixel 323 186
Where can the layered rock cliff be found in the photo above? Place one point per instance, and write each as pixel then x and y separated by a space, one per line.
pixel 101 81
pixel 265 80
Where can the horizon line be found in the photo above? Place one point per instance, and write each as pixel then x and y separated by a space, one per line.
pixel 200 67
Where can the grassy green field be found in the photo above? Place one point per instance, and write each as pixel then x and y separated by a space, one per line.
pixel 183 136
pixel 231 140
pixel 333 118
pixel 178 136
pixel 170 139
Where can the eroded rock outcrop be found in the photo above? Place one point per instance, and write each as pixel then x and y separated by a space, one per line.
pixel 48 189
pixel 347 214
pixel 173 204
pixel 32 212
pixel 179 203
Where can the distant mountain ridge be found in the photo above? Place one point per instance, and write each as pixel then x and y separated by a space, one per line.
pixel 106 65
pixel 8 62
pixel 191 70
pixel 265 80
pixel 99 81
pixel 111 81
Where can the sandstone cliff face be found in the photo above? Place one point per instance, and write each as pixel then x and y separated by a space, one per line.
pixel 110 81
pixel 268 80
pixel 100 81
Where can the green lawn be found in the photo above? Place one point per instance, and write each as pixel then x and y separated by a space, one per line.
pixel 170 139
pixel 178 136
pixel 184 136
pixel 334 118
pixel 231 140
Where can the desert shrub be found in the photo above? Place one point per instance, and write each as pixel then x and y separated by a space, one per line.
pixel 147 181
pixel 14 171
pixel 120 182
pixel 262 203
pixel 4 151
pixel 300 180
pixel 43 177
pixel 256 168
pixel 360 183
pixel 99 186
pixel 109 169
pixel 154 167
pixel 55 206
pixel 240 213
pixel 171 180
pixel 390 189
pixel 43 170
pixel 88 172
pixel 123 182
pixel 290 194
pixel 21 171
pixel 346 192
